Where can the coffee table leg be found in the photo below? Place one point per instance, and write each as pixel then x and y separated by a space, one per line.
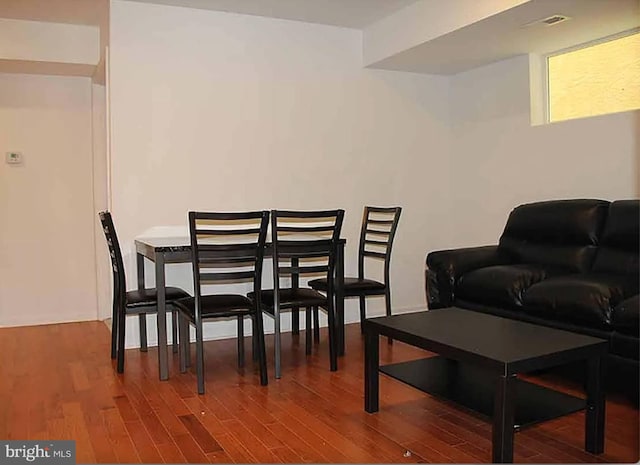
pixel 503 417
pixel 371 365
pixel 595 415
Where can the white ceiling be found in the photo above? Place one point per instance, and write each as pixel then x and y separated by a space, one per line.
pixel 345 13
pixel 506 35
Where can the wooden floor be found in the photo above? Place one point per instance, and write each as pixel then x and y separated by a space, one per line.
pixel 58 382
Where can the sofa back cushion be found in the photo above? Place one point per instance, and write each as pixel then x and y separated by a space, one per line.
pixel 618 251
pixel 559 233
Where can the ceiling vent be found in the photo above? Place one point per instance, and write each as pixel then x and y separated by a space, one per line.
pixel 555 19
pixel 550 21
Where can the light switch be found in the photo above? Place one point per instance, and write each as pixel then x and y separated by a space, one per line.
pixel 14 158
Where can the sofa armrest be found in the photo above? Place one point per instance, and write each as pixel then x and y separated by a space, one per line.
pixel 444 267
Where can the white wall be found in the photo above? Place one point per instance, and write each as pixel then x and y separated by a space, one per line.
pixel 47 265
pixel 217 111
pixel 500 160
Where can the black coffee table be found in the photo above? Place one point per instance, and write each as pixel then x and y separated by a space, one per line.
pixel 480 356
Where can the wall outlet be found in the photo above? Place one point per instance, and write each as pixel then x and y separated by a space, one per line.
pixel 14 158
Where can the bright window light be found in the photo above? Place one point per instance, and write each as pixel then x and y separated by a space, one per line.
pixel 596 79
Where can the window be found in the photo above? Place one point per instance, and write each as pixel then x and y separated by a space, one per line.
pixel 595 79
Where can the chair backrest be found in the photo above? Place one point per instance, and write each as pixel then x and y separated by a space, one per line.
pixel 379 226
pixel 227 248
pixel 117 265
pixel 305 242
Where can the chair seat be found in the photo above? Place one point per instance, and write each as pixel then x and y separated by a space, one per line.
pixel 216 305
pixel 300 297
pixel 352 286
pixel 149 297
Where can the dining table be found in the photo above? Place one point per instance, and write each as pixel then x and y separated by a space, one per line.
pixel 164 250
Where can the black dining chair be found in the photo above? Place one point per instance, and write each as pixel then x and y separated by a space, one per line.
pixel 378 230
pixel 139 302
pixel 303 243
pixel 226 248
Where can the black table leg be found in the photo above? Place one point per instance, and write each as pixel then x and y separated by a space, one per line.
pixel 503 415
pixel 163 356
pixel 142 318
pixel 595 414
pixel 371 365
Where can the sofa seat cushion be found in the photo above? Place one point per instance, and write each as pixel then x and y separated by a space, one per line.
pixel 500 285
pixel 586 299
pixel 625 316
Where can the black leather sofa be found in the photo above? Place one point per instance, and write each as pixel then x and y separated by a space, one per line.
pixel 569 264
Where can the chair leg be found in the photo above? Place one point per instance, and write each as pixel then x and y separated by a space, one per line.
pixel 363 312
pixel 387 302
pixel 199 357
pixel 258 334
pixel 122 317
pixel 240 342
pixel 187 353
pixel 308 330
pixel 255 349
pixel 142 319
pixel 277 344
pixel 333 340
pixel 183 326
pixel 174 331
pixel 114 330
pixel 316 325
pixel 295 321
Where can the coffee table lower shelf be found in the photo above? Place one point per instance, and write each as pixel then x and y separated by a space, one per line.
pixel 474 388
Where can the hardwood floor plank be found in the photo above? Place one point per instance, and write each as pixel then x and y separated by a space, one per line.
pixel 79 376
pixel 308 434
pixel 125 408
pixel 206 442
pixel 148 417
pixel 219 457
pixel 76 429
pixel 170 453
pixel 237 451
pixel 302 448
pixel 251 442
pixel 206 417
pixel 286 455
pixel 143 442
pixel 434 455
pixel 119 437
pixel 190 449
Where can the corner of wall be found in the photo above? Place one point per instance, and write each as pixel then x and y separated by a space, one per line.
pixel 538 89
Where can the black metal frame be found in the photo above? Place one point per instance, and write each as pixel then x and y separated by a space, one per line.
pixel 377 232
pixel 225 242
pixel 120 305
pixel 290 258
